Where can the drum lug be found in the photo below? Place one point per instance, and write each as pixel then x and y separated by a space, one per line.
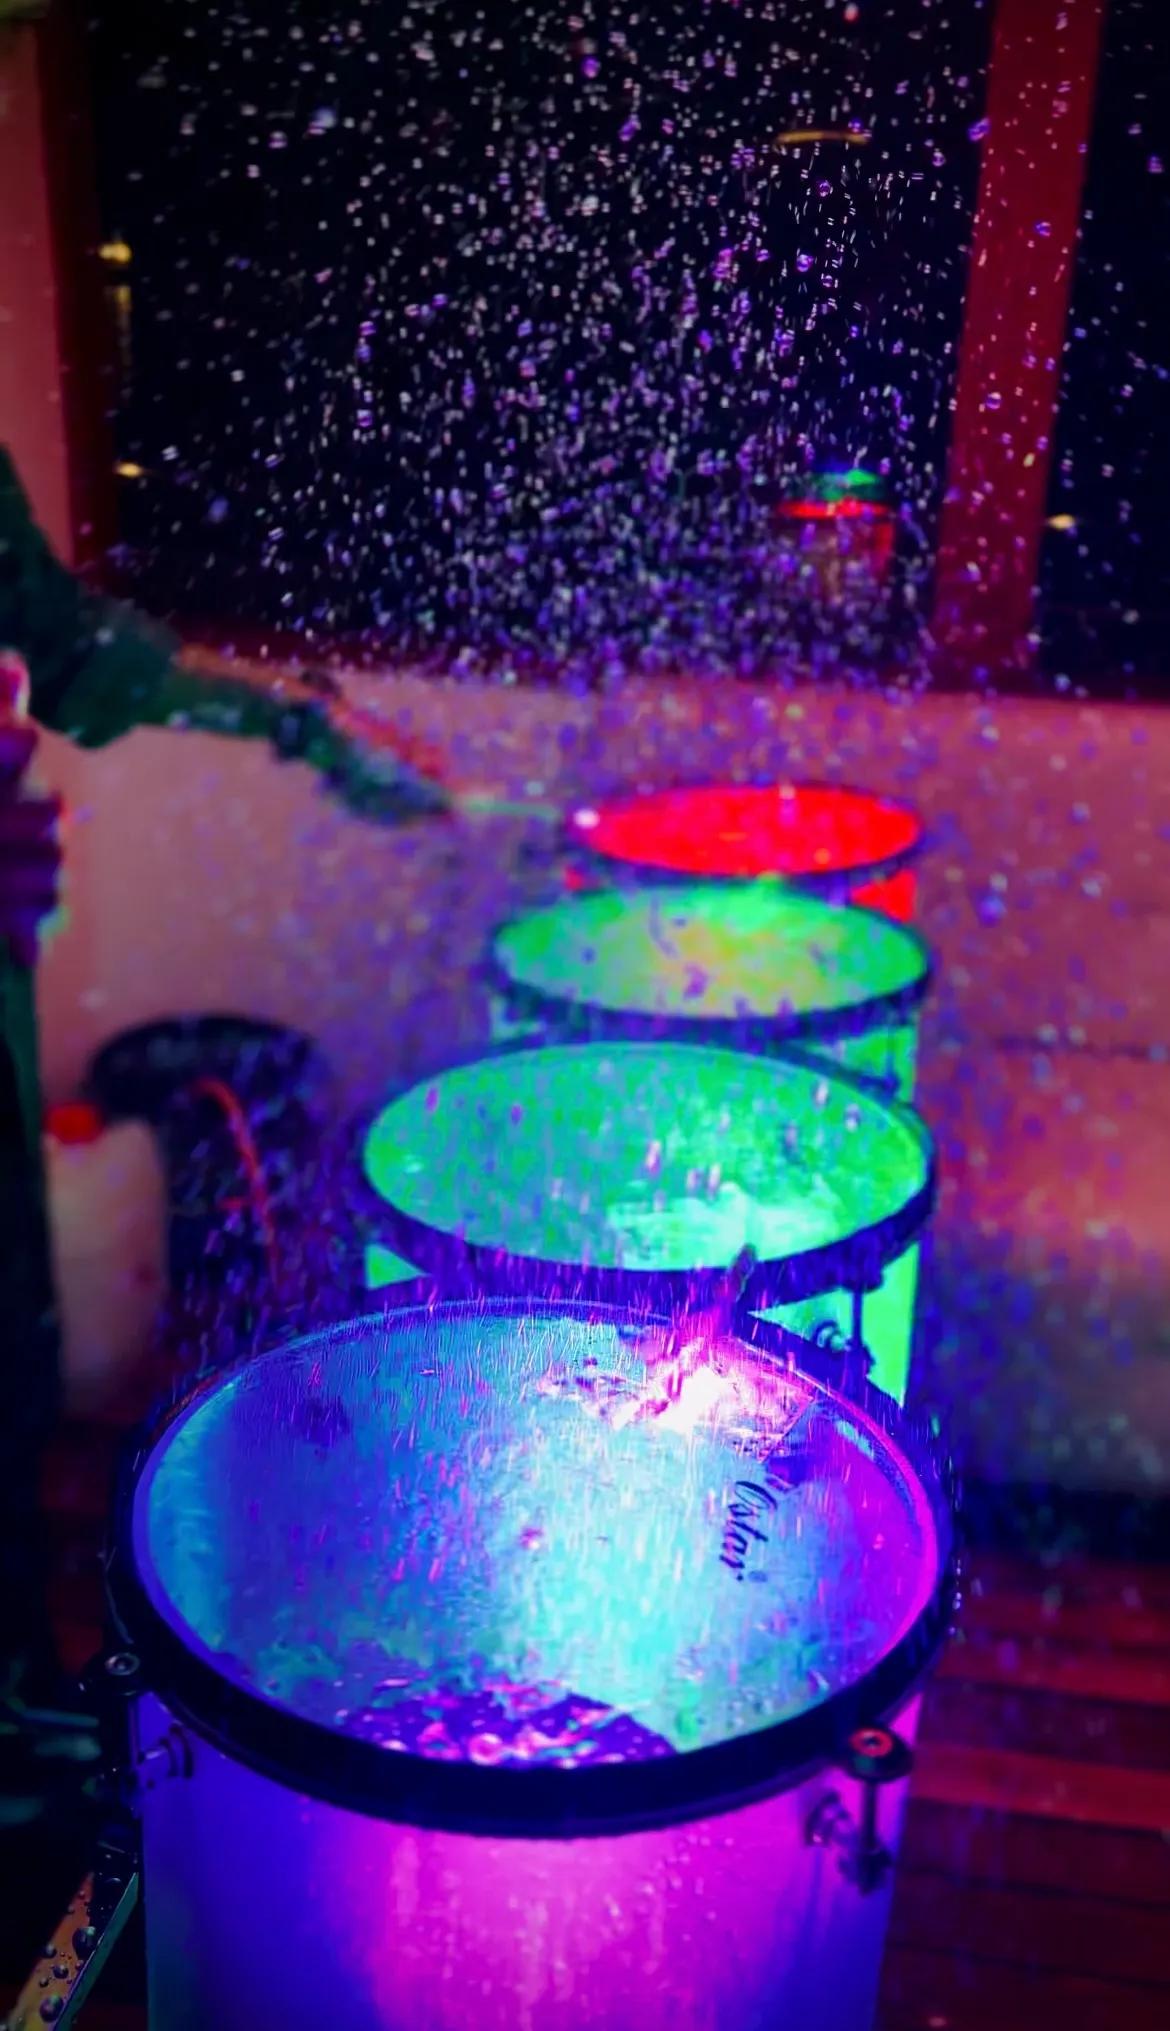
pixel 169 1757
pixel 110 1684
pixel 874 1757
pixel 851 1353
pixel 114 1683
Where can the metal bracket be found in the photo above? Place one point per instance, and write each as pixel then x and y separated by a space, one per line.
pixel 874 1757
pixel 60 1984
pixel 82 1942
pixel 847 1348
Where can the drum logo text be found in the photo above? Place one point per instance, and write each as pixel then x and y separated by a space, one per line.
pixel 753 1503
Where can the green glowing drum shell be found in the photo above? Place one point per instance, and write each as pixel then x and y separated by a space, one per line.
pixel 385 1270
pixel 639 1174
pixel 753 966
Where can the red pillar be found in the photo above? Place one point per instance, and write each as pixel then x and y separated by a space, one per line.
pixel 85 339
pixel 32 423
pixel 1040 95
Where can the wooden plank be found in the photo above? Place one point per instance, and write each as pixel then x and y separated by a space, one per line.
pixel 1008 1848
pixel 1130 1624
pixel 1089 1934
pixel 1005 1715
pixel 1137 1677
pixel 1071 1580
pixel 1048 1787
pixel 924 1991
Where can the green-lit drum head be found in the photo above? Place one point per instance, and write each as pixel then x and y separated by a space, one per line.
pixel 758 954
pixel 643 1164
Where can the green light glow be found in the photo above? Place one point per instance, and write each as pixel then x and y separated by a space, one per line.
pixel 643 1157
pixel 384 1268
pixel 888 1322
pixel 710 952
pixel 713 953
pixel 889 1053
pixel 831 486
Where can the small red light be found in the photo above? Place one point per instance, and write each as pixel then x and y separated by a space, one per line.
pixel 74 1122
pixel 845 510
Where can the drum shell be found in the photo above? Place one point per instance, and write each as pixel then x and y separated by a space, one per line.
pixel 885 1051
pixel 267 1907
pixel 893 895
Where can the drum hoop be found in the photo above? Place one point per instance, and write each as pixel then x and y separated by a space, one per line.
pixel 816 881
pixel 853 1261
pixel 757 1033
pixel 309 1759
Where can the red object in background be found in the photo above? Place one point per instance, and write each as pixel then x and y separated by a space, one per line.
pixel 74 1123
pixel 1041 88
pixel 845 545
pixel 846 510
pixel 84 336
pixel 849 843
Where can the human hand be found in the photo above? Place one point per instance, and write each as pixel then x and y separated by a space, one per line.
pixel 30 850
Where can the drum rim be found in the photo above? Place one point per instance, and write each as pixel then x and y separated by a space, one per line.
pixel 854 1261
pixel 817 880
pixel 311 1760
pixel 853 1019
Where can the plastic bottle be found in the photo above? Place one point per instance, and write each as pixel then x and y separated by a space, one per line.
pixel 107 1201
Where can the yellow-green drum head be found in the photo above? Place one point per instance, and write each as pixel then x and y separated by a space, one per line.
pixel 755 965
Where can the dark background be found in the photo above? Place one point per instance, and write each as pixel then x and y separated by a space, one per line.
pixel 468 324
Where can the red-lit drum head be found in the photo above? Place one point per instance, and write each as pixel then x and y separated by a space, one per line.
pixel 742 831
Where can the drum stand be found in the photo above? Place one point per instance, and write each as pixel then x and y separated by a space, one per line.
pixel 88 1930
pixel 83 1938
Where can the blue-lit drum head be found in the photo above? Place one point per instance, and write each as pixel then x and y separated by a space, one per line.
pixel 554 1538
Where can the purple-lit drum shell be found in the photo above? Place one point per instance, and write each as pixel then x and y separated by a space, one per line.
pixel 392 1583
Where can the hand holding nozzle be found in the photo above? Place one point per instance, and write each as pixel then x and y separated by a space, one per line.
pixel 30 847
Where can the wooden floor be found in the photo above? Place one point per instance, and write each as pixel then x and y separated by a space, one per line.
pixel 1034 1886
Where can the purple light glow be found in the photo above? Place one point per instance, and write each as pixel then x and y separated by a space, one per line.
pixel 440 1539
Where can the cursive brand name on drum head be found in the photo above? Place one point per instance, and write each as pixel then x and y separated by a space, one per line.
pixel 756 1500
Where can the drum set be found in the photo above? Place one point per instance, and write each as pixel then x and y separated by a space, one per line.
pixel 543 1648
